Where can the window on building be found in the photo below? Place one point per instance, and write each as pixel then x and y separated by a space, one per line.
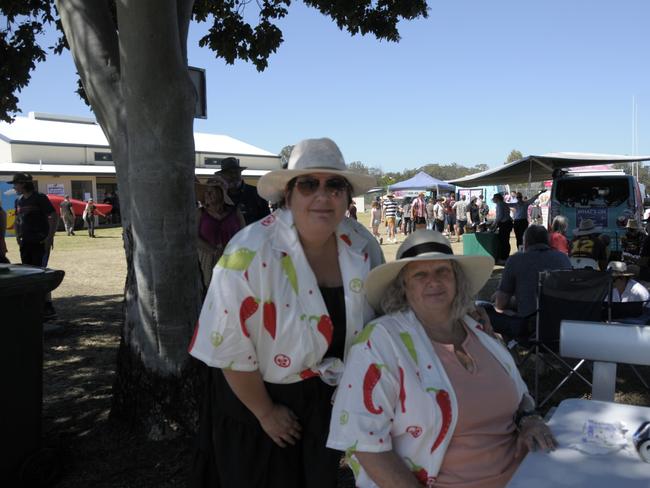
pixel 103 156
pixel 82 189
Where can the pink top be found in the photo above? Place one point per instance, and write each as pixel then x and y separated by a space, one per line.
pixel 557 241
pixel 482 450
pixel 218 232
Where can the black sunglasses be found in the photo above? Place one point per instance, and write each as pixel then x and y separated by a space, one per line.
pixel 308 185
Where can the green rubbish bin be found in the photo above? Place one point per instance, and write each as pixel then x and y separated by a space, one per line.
pixel 481 244
pixel 22 295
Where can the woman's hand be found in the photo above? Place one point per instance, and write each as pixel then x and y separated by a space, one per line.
pixel 480 315
pixel 281 425
pixel 533 433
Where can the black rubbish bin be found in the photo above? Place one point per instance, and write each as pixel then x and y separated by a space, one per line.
pixel 22 295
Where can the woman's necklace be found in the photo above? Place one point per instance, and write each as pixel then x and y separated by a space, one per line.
pixel 457 337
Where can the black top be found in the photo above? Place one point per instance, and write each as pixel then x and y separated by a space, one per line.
pixel 250 204
pixel 31 215
pixel 335 302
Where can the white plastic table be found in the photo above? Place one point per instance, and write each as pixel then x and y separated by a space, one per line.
pixel 569 467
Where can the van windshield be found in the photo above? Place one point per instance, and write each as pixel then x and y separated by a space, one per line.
pixel 592 191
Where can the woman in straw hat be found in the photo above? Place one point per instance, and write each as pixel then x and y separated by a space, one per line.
pixel 285 303
pixel 218 221
pixel 427 396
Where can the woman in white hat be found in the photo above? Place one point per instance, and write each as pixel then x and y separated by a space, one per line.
pixel 285 302
pixel 427 397
pixel 218 221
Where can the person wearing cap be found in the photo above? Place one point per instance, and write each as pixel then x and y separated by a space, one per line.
pixel 632 241
pixel 428 397
pixel 285 302
pixel 587 244
pixel 35 226
pixel 244 196
pixel 218 221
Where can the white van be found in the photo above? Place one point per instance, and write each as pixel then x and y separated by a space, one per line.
pixel 609 198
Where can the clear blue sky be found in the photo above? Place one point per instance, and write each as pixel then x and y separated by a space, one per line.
pixel 467 85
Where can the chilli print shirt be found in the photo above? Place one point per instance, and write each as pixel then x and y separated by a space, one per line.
pixel 264 311
pixel 395 395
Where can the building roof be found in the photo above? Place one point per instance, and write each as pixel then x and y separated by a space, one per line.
pixel 36 169
pixel 40 128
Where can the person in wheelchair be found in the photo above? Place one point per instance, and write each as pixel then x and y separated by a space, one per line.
pixel 515 301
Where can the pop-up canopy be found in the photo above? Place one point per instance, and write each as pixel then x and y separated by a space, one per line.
pixel 422 181
pixel 540 168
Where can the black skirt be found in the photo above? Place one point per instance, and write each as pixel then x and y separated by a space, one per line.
pixel 234 451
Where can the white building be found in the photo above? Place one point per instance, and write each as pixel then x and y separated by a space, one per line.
pixel 70 155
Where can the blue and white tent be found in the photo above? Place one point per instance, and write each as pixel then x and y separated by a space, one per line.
pixel 423 181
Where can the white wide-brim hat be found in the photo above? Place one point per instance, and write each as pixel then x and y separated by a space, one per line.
pixel 426 245
pixel 312 156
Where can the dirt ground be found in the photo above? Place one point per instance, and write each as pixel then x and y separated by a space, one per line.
pixel 83 447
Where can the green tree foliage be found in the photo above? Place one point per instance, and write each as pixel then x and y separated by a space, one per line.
pixel 513 156
pixel 231 36
pixel 630 169
pixel 284 155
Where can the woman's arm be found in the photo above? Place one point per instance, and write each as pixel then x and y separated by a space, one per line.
pixel 279 423
pixel 387 470
pixel 533 431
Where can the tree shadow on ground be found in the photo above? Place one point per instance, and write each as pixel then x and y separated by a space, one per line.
pixel 80 354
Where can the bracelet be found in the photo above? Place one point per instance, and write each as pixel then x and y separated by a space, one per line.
pixel 522 416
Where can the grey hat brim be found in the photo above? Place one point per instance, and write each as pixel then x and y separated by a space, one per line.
pixel 578 232
pixel 271 186
pixel 478 270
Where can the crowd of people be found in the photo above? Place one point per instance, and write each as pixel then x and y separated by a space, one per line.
pixel 445 214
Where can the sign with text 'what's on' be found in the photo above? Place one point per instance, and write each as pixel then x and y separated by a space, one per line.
pixel 598 215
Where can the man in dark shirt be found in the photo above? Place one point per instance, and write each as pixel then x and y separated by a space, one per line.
pixel 245 197
pixel 35 226
pixel 516 296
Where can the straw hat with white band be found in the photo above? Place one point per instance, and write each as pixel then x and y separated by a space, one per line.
pixel 307 157
pixel 426 245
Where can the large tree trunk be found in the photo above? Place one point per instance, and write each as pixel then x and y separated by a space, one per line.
pixel 138 86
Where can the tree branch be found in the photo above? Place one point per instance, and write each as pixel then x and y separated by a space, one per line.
pixel 184 8
pixel 92 36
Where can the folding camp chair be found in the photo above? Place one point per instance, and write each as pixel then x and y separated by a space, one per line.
pixel 577 294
